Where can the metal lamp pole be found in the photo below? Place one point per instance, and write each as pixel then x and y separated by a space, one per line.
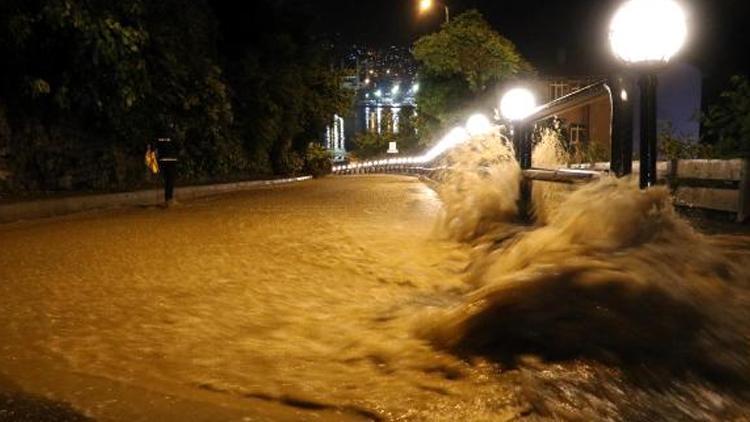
pixel 648 83
pixel 646 34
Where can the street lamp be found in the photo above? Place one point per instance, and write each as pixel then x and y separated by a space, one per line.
pixel 426 5
pixel 478 124
pixel 646 34
pixel 517 104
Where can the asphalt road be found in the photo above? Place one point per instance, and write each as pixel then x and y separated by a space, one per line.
pixel 284 303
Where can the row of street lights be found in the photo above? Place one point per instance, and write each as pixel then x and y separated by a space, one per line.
pixel 477 125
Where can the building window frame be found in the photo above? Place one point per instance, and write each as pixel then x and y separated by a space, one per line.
pixel 577 134
pixel 557 89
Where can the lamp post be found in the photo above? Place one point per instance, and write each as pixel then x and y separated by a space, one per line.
pixel 646 34
pixel 515 106
pixel 425 5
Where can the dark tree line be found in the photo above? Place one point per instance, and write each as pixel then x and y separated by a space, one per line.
pixel 86 84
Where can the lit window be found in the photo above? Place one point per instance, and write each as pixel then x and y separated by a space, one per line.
pixel 557 90
pixel 577 134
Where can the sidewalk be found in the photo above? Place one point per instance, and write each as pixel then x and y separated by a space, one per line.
pixel 60 206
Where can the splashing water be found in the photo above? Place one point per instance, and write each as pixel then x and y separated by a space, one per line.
pixel 548 153
pixel 480 190
pixel 632 312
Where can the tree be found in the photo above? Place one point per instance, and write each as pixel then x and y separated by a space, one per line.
pixel 285 92
pixel 407 138
pixel 727 122
pixel 107 77
pixel 371 144
pixel 87 83
pixel 461 62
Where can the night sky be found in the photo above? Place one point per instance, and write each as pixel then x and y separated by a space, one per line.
pixel 546 32
pixel 565 37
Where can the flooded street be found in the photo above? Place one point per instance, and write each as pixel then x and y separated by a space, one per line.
pixel 336 299
pixel 299 300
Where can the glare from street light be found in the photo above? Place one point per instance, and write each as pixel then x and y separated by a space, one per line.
pixel 648 31
pixel 478 124
pixel 415 87
pixel 425 5
pixel 517 104
pixel 395 89
pixel 455 137
pixel 378 93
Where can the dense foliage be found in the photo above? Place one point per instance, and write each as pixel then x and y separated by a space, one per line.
pixel 87 84
pixel 727 122
pixel 318 161
pixel 463 61
pixel 726 128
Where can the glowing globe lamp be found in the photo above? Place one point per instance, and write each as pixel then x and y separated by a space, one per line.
pixel 517 104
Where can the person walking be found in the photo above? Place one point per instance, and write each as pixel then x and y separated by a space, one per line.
pixel 167 157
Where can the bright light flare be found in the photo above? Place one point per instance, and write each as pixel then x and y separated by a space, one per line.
pixel 478 124
pixel 396 88
pixel 455 137
pixel 517 104
pixel 648 31
pixel 425 5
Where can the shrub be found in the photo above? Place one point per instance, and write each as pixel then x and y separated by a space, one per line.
pixel 371 144
pixel 317 161
pixel 675 147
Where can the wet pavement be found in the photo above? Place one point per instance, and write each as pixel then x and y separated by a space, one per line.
pixel 284 303
pixel 302 302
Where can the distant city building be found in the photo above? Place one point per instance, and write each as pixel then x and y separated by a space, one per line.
pixel 380 76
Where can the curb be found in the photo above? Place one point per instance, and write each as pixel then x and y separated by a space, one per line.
pixel 62 206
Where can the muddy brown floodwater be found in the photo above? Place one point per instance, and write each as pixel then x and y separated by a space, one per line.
pixel 342 299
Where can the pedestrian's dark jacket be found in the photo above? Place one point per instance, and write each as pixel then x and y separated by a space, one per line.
pixel 166 150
